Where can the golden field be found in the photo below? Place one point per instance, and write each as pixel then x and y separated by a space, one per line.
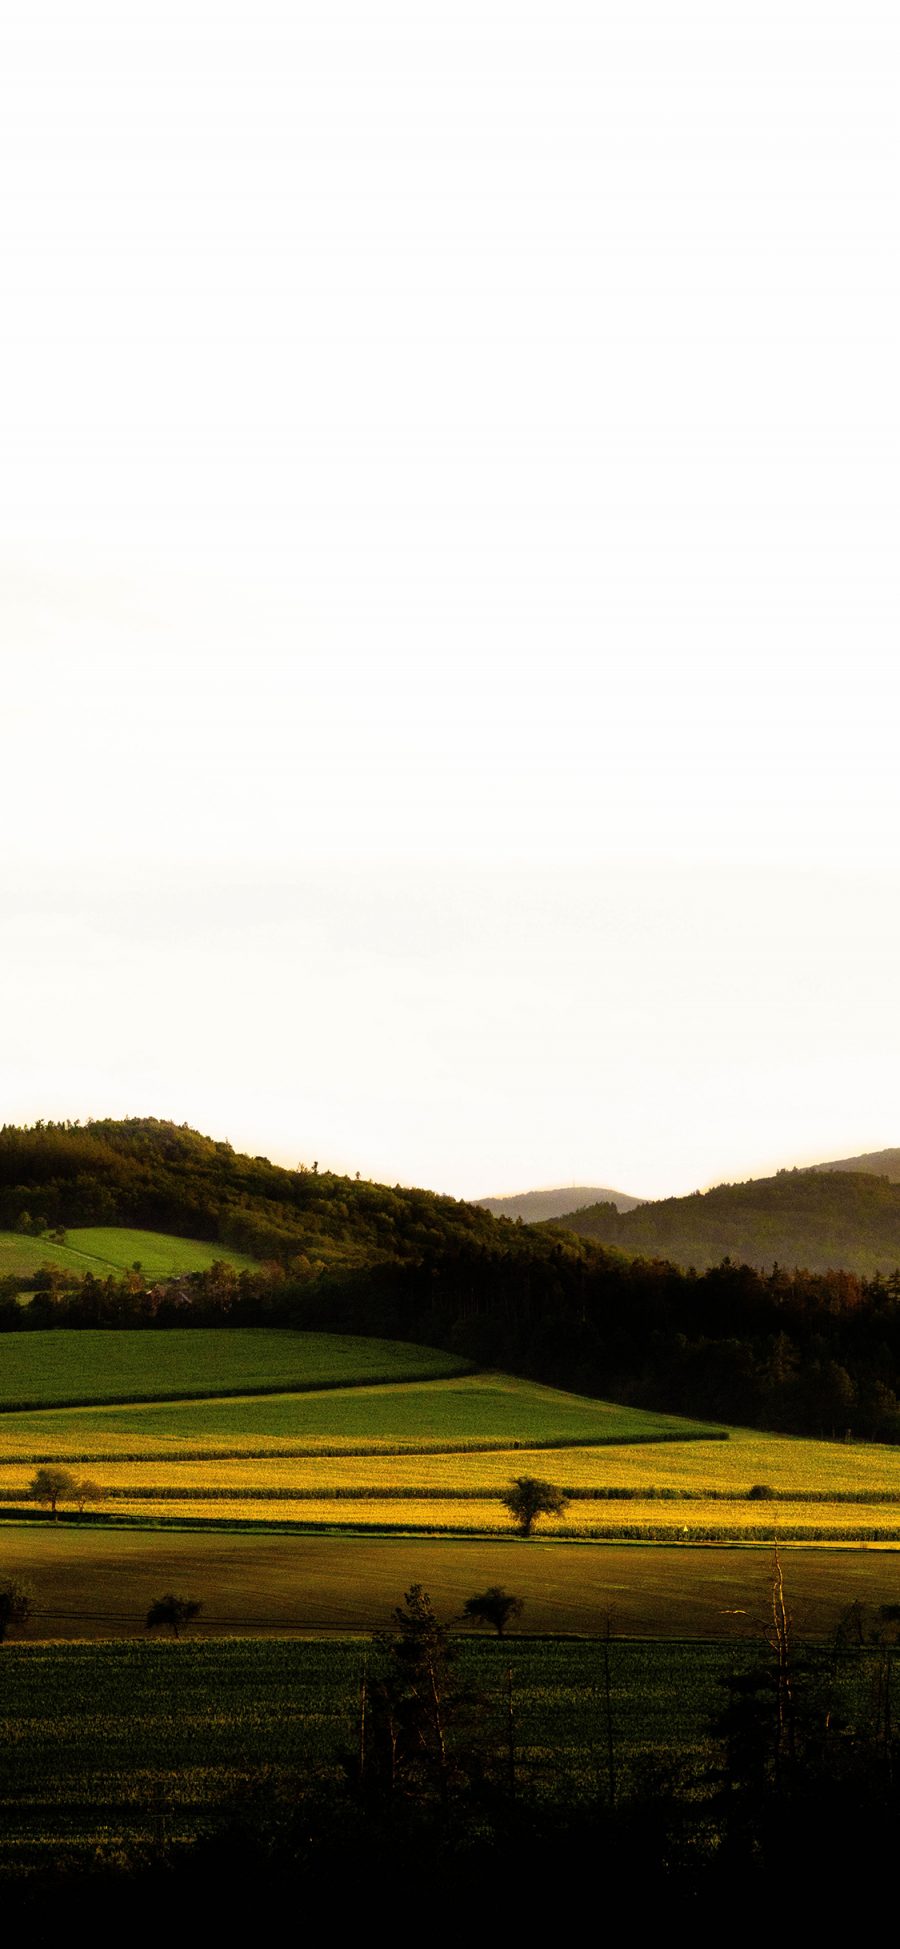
pixel 436 1455
pixel 692 1490
pixel 785 1464
pixel 648 1519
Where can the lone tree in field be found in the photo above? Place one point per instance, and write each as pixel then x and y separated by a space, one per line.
pixel 51 1486
pixel 172 1610
pixel 494 1607
pixel 86 1490
pixel 528 1497
pixel 16 1599
pixel 408 1710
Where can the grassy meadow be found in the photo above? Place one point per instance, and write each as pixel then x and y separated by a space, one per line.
pixel 106 1249
pixel 62 1366
pixel 176 1731
pixel 96 1583
pixel 360 1405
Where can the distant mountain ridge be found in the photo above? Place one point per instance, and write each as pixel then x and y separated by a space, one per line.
pixel 533 1207
pixel 806 1351
pixel 877 1163
pixel 819 1219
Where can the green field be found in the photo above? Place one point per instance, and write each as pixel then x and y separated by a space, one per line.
pixel 363 1434
pixel 250 1426
pixel 496 1410
pixel 106 1249
pixel 93 1365
pixel 97 1583
pixel 175 1732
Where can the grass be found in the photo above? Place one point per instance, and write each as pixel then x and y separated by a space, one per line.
pixel 461 1492
pixel 94 1735
pixel 105 1249
pixel 66 1366
pixel 437 1455
pixel 332 1431
pixel 184 1728
pixel 98 1583
pixel 494 1410
pixel 185 1734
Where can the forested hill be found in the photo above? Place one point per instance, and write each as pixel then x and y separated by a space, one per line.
pixel 167 1177
pixel 815 1219
pixel 532 1206
pixel 880 1163
pixel 811 1352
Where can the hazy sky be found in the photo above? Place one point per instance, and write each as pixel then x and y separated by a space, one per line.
pixel 449 581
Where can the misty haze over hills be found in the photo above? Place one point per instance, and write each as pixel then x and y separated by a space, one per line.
pixel 533 1206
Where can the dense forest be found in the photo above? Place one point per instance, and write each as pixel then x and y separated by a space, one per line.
pixel 799 1350
pixel 819 1219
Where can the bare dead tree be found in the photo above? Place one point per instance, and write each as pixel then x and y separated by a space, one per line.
pixel 779 1638
pixel 607 1709
pixel 363 1702
pixel 510 1736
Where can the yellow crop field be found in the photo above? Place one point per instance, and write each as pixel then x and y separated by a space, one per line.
pixel 783 1462
pixel 693 1491
pixel 728 1468
pixel 433 1454
pixel 68 1444
pixel 635 1520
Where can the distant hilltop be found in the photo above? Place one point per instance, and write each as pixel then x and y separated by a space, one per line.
pixel 534 1206
pixel 843 1213
pixel 878 1164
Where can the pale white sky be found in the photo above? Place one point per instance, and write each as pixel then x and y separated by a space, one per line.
pixel 448 581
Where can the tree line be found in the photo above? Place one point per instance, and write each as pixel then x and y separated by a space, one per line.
pixel 813 1353
pixel 790 1349
pixel 160 1176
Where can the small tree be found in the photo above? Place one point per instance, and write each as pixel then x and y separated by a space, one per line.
pixel 528 1497
pixel 16 1599
pixel 494 1607
pixel 87 1491
pixel 409 1707
pixel 52 1485
pixel 172 1610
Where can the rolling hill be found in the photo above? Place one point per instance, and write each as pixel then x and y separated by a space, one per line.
pixel 161 1177
pixel 534 1206
pixel 815 1219
pixel 610 1308
pixel 876 1163
pixel 110 1250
